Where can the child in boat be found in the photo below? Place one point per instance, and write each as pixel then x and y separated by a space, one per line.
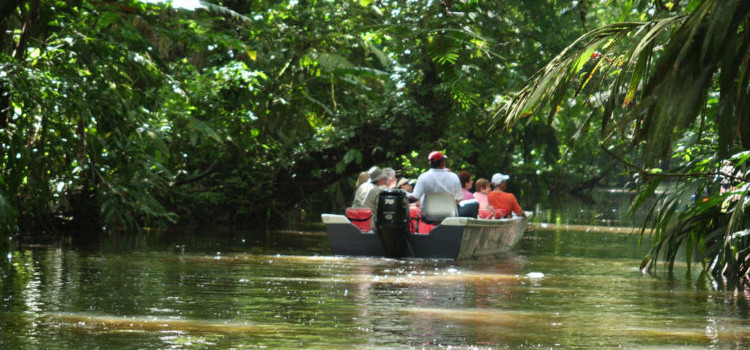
pixel 481 190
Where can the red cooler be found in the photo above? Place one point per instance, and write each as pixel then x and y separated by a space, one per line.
pixel 360 217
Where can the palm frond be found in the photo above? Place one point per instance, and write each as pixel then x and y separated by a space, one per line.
pixel 224 11
pixel 661 74
pixel 194 5
pixel 549 85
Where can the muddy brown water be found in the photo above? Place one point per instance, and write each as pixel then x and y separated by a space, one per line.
pixel 569 284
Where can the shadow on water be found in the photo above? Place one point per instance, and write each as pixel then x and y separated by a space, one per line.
pixel 208 240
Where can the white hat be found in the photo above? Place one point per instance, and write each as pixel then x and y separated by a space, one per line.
pixel 499 178
pixel 376 174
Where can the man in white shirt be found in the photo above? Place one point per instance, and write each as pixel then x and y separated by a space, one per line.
pixel 440 180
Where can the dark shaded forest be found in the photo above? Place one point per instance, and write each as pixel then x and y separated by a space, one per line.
pixel 144 114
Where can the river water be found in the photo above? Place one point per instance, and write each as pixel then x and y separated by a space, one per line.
pixel 568 284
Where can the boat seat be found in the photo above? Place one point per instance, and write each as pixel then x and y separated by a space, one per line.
pixel 438 206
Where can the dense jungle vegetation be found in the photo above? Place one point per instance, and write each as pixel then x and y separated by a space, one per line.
pixel 140 114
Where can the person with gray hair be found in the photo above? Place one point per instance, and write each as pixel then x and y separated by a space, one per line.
pixel 391 178
pixel 367 193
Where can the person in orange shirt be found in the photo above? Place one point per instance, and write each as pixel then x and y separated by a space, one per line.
pixel 500 199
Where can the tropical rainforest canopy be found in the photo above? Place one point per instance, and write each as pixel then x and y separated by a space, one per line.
pixel 136 114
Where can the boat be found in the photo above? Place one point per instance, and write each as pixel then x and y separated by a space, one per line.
pixel 402 232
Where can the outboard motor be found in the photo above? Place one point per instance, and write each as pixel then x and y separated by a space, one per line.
pixel 392 222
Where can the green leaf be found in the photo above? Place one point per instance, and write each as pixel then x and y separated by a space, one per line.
pixel 203 128
pixel 108 17
pixel 330 62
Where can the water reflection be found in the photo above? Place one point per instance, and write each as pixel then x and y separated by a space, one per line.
pixel 558 289
pixel 88 323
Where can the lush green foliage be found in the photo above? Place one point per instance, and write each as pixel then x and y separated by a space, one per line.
pixel 678 81
pixel 135 114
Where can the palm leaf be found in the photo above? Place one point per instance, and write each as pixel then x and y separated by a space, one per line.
pixel 199 4
pixel 676 91
pixel 548 86
pixel 663 75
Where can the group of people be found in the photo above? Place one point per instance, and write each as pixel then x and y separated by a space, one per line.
pixel 491 194
pixel 488 195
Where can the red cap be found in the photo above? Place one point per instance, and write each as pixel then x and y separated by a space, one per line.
pixel 435 155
